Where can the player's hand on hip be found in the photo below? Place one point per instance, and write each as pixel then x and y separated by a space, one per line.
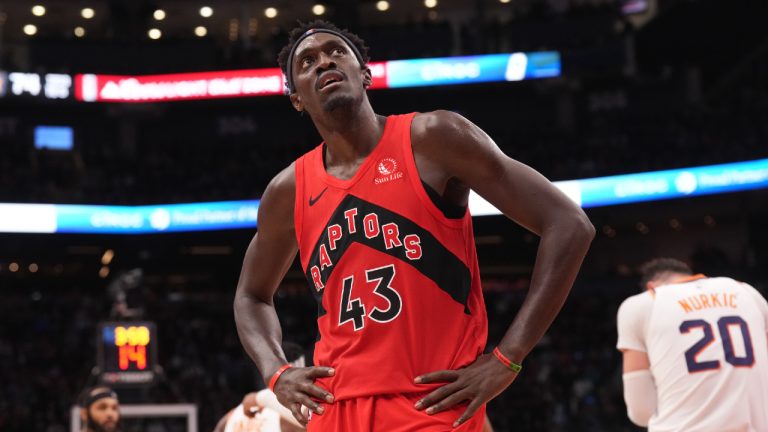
pixel 477 383
pixel 296 387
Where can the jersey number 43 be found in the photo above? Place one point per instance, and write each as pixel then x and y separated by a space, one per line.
pixel 354 310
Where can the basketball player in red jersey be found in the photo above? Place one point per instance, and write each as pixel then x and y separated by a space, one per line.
pixel 378 213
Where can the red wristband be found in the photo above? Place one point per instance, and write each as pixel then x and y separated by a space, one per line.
pixel 277 374
pixel 507 362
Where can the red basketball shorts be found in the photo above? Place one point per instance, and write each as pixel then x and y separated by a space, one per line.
pixel 390 413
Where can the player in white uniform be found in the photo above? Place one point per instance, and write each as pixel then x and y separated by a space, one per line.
pixel 265 420
pixel 695 352
pixel 260 411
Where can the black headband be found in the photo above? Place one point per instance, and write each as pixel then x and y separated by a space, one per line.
pixel 101 395
pixel 289 67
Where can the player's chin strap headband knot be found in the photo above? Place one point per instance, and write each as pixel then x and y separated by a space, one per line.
pixel 289 86
pixel 101 395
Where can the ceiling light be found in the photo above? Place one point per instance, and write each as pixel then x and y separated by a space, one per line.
pixel 107 257
pixel 159 14
pixel 79 32
pixel 382 5
pixel 270 12
pixel 206 12
pixel 318 9
pixel 13 267
pixel 104 272
pixel 87 13
pixel 154 33
pixel 201 31
pixel 430 3
pixel 505 1
pixel 30 29
pixel 38 10
pixel 33 268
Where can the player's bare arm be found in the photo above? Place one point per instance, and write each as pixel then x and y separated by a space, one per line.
pixel 453 156
pixel 268 258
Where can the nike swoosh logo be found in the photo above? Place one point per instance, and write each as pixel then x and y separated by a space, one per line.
pixel 313 201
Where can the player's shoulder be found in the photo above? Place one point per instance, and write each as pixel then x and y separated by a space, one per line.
pixel 438 122
pixel 445 135
pixel 753 292
pixel 724 281
pixel 284 181
pixel 720 279
pixel 436 118
pixel 278 200
pixel 636 303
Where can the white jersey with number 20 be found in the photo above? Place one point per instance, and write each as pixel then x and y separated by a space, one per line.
pixel 707 345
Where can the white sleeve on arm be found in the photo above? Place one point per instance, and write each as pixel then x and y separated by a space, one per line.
pixel 631 322
pixel 639 387
pixel 640 396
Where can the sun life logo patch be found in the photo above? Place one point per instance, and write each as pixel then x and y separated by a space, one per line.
pixel 387 168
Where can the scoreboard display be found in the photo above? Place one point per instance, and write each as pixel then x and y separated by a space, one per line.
pixel 127 353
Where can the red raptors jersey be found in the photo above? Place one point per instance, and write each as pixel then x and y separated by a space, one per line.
pixel 397 282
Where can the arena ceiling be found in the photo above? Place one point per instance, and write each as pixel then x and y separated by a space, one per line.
pixel 225 20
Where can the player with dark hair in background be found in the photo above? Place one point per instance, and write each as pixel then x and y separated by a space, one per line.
pixel 100 410
pixel 695 352
pixel 379 214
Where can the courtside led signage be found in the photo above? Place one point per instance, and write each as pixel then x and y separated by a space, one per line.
pixel 270 82
pixel 591 192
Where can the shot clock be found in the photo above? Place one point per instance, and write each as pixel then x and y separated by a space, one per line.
pixel 127 352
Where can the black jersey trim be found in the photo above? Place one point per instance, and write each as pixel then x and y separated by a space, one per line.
pixel 449 210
